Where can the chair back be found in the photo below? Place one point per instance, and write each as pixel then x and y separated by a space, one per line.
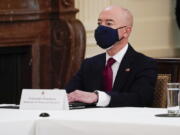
pixel 160 93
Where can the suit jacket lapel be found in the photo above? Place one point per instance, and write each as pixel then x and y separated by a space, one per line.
pixel 124 69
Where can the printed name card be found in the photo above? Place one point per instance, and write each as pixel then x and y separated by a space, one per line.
pixel 44 99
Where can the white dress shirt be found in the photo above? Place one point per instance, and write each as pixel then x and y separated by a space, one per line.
pixel 104 99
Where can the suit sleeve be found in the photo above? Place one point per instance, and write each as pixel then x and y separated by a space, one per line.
pixel 77 80
pixel 140 89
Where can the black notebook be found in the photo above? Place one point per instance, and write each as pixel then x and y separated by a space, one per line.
pixel 80 105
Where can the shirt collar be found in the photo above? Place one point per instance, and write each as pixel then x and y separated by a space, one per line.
pixel 118 57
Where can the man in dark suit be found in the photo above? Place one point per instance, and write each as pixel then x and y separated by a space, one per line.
pixel 119 77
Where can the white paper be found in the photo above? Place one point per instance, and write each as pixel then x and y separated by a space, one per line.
pixel 44 99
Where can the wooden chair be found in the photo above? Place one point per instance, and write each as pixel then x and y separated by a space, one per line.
pixel 160 93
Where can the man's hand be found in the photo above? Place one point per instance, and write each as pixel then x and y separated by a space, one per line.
pixel 82 96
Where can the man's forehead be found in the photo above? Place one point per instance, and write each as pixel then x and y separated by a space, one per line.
pixel 108 15
pixel 105 16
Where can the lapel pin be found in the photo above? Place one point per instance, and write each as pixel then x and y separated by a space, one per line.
pixel 127 69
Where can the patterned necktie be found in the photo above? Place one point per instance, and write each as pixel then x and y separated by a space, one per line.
pixel 108 75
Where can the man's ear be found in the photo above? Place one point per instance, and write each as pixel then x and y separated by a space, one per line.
pixel 127 32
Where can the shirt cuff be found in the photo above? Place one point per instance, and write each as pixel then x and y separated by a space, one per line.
pixel 103 99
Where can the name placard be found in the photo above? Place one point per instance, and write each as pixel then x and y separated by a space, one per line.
pixel 44 99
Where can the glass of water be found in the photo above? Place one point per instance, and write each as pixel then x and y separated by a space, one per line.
pixel 173 98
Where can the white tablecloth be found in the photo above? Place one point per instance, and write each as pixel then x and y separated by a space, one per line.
pixel 18 122
pixel 99 121
pixel 109 121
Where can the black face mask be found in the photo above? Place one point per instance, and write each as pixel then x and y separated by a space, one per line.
pixel 106 36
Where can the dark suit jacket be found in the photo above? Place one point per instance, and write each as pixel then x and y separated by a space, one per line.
pixel 134 83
